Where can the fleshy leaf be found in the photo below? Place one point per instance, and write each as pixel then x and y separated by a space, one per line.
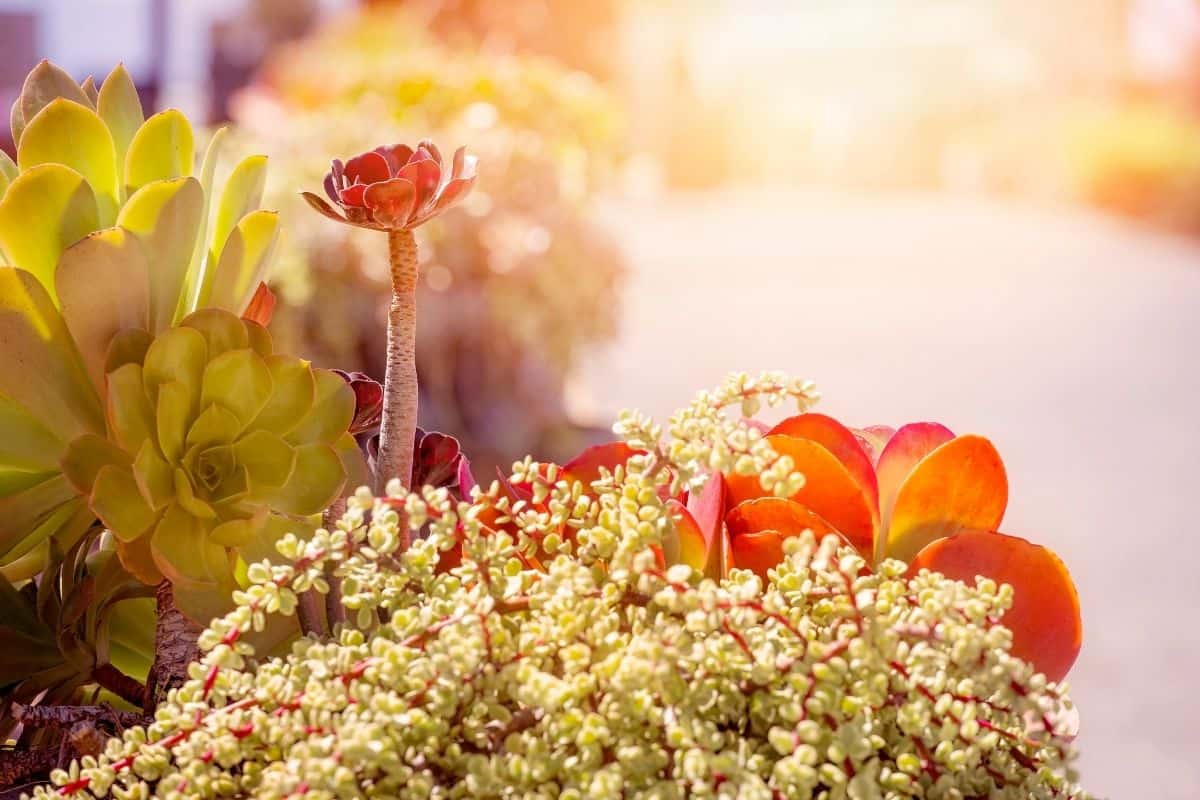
pixel 261 307
pixel 183 553
pixel 707 508
pixel 177 355
pixel 240 196
pixel 195 272
pixel 130 415
pixel 959 485
pixel 757 552
pixel 243 262
pixel 839 440
pixel 45 83
pixel 240 381
pixel 331 412
pixel 65 132
pixel 119 504
pixel 222 330
pixel 786 517
pixel 234 533
pixel 127 347
pixel 155 477
pixel 268 459
pixel 690 540
pixel 135 556
pixel 86 456
pixel 173 413
pixel 89 90
pixel 25 443
pixel 162 148
pixel 829 490
pixel 585 467
pixel 215 425
pixel 119 106
pixel 101 282
pixel 40 368
pixel 33 514
pixel 8 171
pixel 907 446
pixel 293 391
pixel 43 212
pixel 165 215
pixel 1044 619
pixel 316 482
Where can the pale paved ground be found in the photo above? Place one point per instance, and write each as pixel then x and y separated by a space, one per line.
pixel 1071 341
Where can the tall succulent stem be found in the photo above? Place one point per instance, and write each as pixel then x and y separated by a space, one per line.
pixel 175 647
pixel 399 424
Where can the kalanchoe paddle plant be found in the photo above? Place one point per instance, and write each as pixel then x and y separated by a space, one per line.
pixel 394 189
pixel 603 675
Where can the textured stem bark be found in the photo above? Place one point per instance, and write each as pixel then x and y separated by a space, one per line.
pixel 399 424
pixel 174 647
pixel 308 611
pixel 335 612
pixel 128 689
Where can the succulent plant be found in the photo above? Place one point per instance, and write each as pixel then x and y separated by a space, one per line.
pixel 214 443
pixel 104 234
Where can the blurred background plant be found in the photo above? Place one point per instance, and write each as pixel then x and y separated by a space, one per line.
pixel 513 290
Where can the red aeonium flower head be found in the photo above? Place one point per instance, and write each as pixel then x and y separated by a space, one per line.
pixel 395 187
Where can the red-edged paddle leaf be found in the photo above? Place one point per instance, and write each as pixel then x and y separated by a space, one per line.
pixel 694 549
pixel 960 485
pixel 702 539
pixel 873 439
pixel 829 490
pixel 1044 618
pixel 901 453
pixel 787 517
pixel 585 467
pixel 757 552
pixel 839 440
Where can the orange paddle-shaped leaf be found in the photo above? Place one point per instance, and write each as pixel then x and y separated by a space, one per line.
pixel 1044 618
pixel 694 550
pixel 902 452
pixel 787 517
pixel 829 490
pixel 839 440
pixel 706 509
pixel 757 552
pixel 959 485
pixel 585 467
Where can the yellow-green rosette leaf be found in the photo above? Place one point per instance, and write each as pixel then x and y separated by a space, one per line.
pixel 130 416
pixel 101 282
pixel 294 389
pixel 237 532
pixel 33 514
pixel 195 273
pixel 331 413
pixel 241 195
pixel 166 216
pixel 25 443
pixel 316 481
pixel 242 263
pixel 155 477
pixel 120 505
pixel 177 355
pixel 71 134
pixel 45 83
pixel 174 412
pixel 43 212
pixel 89 90
pixel 238 380
pixel 183 553
pixel 40 367
pixel 86 456
pixel 120 107
pixel 222 331
pixel 127 347
pixel 260 338
pixel 268 459
pixel 8 171
pixel 215 425
pixel 353 463
pixel 16 121
pixel 162 148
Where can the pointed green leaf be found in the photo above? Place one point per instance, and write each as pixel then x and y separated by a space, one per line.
pixel 166 217
pixel 68 133
pixel 155 477
pixel 215 425
pixel 130 415
pixel 27 566
pixel 162 148
pixel 222 331
pixel 86 456
pixel 127 347
pixel 43 212
pixel 331 413
pixel 119 505
pixel 174 413
pixel 22 515
pixel 294 389
pixel 240 381
pixel 241 195
pixel 25 443
pixel 177 355
pixel 101 283
pixel 195 273
pixel 121 109
pixel 268 459
pixel 45 83
pixel 40 368
pixel 316 482
pixel 243 262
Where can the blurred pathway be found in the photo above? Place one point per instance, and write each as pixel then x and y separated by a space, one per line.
pixel 1070 340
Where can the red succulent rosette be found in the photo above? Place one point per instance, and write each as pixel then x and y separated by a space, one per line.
pixel 395 187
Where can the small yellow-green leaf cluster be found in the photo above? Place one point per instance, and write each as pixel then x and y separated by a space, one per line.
pixel 603 676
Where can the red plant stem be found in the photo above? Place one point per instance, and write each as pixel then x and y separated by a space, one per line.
pixel 398 426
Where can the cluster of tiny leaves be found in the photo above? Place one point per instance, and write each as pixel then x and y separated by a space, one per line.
pixel 601 675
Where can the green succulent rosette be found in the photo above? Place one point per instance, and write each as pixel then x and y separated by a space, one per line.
pixel 106 235
pixel 215 444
